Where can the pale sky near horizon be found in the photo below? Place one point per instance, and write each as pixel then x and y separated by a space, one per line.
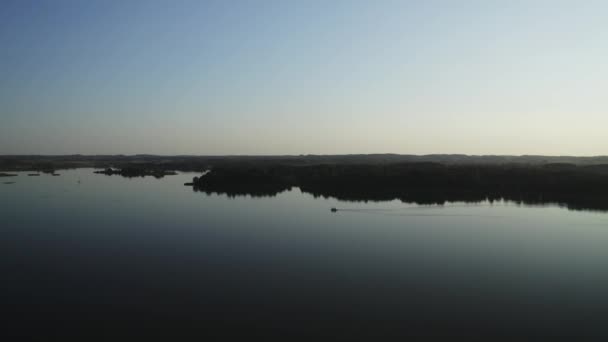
pixel 304 77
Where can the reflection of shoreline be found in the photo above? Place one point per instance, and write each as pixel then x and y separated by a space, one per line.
pixel 570 188
pixel 570 202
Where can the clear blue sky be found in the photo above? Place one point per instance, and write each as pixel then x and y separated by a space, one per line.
pixel 299 77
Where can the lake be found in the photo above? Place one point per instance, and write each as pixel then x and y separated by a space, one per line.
pixel 84 253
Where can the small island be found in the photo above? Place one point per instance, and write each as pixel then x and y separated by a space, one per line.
pixel 131 172
pixel 7 174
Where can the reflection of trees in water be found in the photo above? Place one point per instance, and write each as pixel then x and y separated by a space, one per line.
pixel 235 191
pixel 577 188
pixel 435 197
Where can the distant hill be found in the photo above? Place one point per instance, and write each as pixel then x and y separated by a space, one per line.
pixel 197 163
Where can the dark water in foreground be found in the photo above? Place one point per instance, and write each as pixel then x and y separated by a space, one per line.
pixel 115 257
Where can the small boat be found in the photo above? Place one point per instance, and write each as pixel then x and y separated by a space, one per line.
pixel 333 210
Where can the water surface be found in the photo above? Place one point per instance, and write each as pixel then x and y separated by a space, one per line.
pixel 148 255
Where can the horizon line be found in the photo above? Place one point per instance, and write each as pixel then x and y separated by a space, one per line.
pixel 305 155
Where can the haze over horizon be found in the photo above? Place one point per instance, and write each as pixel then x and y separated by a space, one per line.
pixel 303 77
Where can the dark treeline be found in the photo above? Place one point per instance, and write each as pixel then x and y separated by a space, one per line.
pixel 200 163
pixel 576 187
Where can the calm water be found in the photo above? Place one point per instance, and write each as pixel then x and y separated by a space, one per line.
pixel 148 255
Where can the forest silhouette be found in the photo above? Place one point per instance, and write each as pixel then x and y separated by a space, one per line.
pixel 571 186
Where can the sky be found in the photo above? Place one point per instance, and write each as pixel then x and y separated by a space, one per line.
pixel 264 77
